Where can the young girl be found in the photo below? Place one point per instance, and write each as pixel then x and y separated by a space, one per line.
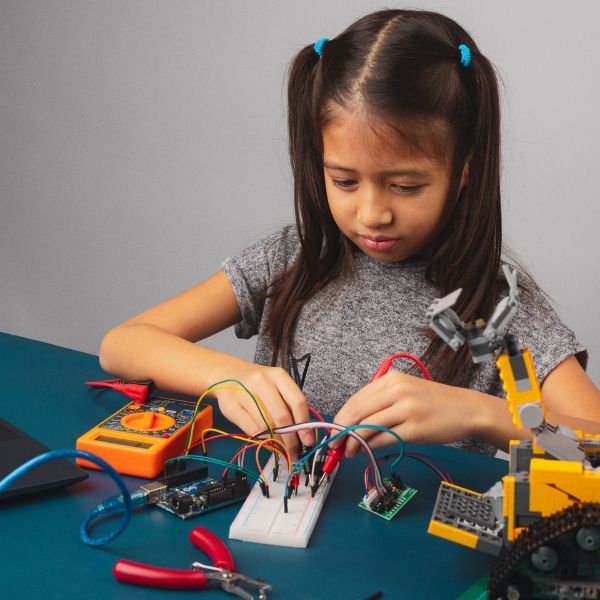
pixel 394 135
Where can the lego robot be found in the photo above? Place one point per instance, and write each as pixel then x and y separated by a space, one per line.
pixel 543 519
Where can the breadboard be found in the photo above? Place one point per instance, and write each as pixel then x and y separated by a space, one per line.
pixel 264 521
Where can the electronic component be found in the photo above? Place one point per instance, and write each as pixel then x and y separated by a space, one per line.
pixel 186 490
pixel 203 495
pixel 139 438
pixel 389 504
pixel 263 519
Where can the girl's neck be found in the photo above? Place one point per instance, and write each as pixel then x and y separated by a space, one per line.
pixel 415 262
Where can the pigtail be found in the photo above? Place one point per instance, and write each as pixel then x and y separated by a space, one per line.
pixel 305 146
pixel 469 254
pixel 320 241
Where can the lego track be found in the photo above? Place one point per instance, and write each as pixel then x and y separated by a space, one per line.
pixel 575 574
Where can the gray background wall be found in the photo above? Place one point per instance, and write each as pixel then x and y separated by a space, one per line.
pixel 142 141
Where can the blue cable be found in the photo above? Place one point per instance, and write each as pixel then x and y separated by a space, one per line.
pixel 125 502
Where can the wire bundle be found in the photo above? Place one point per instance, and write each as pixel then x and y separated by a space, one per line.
pixel 267 440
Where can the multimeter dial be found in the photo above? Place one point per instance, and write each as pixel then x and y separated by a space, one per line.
pixel 156 418
pixel 147 421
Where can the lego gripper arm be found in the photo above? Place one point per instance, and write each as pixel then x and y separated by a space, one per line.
pixel 515 366
pixel 506 308
pixel 445 322
pixel 481 338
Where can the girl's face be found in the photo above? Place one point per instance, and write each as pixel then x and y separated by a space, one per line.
pixel 384 197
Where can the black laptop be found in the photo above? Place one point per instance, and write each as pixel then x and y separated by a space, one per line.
pixel 16 448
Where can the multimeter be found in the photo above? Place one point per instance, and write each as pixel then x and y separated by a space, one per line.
pixel 139 438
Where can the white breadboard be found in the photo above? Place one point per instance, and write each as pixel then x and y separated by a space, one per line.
pixel 263 520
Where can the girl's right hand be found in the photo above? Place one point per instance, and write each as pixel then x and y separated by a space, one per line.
pixel 282 398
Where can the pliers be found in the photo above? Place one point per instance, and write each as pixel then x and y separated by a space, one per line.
pixel 223 571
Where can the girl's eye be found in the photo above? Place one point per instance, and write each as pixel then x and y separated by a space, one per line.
pixel 406 189
pixel 344 183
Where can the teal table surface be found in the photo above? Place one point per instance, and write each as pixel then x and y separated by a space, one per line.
pixel 352 553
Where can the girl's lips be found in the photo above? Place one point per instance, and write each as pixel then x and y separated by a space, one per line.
pixel 379 244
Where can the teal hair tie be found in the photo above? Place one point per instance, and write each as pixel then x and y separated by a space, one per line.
pixel 465 55
pixel 318 46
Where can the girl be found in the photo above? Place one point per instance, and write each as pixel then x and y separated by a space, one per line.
pixel 395 152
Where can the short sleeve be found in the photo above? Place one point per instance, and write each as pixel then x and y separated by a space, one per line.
pixel 252 271
pixel 539 328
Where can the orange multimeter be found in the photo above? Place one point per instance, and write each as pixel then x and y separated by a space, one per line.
pixel 139 438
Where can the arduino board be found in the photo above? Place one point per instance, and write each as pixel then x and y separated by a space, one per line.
pixel 138 439
pixel 202 495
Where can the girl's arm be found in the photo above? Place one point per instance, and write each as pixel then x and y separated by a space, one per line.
pixel 423 411
pixel 571 397
pixel 159 344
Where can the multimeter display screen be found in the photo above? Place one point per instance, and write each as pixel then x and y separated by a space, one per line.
pixel 123 442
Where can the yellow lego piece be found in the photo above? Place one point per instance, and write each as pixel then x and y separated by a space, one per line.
pixel 453 534
pixel 517 397
pixel 556 484
pixel 508 503
pixel 447 484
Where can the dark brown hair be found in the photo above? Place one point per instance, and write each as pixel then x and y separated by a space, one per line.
pixel 402 67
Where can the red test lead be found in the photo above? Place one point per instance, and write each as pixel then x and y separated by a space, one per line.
pixel 387 364
pixel 334 455
pixel 294 483
pixel 139 391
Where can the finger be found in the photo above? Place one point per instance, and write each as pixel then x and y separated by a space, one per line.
pixel 296 402
pixel 287 406
pixel 353 446
pixel 371 399
pixel 381 439
pixel 390 418
pixel 249 423
pixel 283 418
pixel 360 408
pixel 280 416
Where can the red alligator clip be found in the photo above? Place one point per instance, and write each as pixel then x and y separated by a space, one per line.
pixel 138 391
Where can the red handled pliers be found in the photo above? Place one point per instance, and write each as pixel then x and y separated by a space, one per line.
pixel 223 571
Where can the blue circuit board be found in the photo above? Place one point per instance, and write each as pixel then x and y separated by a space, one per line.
pixel 203 495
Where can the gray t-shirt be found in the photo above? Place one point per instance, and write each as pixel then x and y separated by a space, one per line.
pixel 353 323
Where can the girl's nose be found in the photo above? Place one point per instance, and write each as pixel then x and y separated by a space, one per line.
pixel 372 211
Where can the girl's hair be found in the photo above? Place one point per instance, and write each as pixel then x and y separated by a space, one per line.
pixel 402 68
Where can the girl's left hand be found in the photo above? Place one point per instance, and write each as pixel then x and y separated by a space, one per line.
pixel 419 411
